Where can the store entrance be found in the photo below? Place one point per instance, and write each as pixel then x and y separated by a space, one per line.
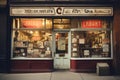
pixel 61 50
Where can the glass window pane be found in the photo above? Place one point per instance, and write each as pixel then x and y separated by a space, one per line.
pixel 32 43
pixel 61 43
pixel 75 23
pixel 48 23
pixel 61 20
pixel 95 44
pixel 61 26
pixel 61 23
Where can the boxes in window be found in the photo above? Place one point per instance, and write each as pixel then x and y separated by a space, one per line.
pixel 103 69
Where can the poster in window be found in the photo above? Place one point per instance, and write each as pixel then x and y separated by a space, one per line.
pixel 86 52
pixel 105 48
pixel 81 41
pixel 61 43
pixel 74 49
pixel 74 40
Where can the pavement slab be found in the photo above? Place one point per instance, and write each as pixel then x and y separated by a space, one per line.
pixel 56 75
pixel 65 76
pixel 94 76
pixel 26 76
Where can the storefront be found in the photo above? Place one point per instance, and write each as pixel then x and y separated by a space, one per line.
pixel 45 38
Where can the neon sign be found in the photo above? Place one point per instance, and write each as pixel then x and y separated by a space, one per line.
pixel 32 23
pixel 91 24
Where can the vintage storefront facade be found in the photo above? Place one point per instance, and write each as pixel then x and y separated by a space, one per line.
pixel 74 37
pixel 55 35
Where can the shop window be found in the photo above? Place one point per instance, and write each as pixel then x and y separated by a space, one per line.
pixel 31 39
pixel 92 40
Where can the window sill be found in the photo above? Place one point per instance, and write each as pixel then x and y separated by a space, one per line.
pixel 23 58
pixel 92 58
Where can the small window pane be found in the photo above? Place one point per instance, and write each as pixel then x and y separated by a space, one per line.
pixel 61 26
pixel 75 23
pixel 48 23
pixel 32 23
pixel 61 23
pixel 61 20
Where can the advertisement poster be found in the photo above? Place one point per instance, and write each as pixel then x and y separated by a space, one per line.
pixel 61 43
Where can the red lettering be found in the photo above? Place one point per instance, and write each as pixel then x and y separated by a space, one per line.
pixel 91 24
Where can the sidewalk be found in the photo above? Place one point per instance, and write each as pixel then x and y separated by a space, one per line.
pixel 57 75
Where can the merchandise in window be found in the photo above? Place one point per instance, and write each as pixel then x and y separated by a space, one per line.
pixel 91 38
pixel 31 39
pixel 93 44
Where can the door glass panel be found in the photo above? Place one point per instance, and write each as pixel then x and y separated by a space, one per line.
pixel 61 56
pixel 61 43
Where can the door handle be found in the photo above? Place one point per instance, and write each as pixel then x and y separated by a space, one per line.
pixel 65 58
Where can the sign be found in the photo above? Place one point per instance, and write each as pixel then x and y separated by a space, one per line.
pixel 61 43
pixel 61 11
pixel 91 24
pixel 32 23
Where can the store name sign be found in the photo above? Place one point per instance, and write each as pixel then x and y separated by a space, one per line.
pixel 91 24
pixel 61 11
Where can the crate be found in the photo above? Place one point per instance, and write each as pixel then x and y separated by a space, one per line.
pixel 103 69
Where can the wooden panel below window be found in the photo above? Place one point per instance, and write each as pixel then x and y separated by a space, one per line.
pixel 4 67
pixel 87 65
pixel 31 65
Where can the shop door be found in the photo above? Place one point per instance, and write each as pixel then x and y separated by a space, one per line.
pixel 61 50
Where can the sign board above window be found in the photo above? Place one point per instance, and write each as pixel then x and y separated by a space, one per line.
pixel 61 11
pixel 32 23
pixel 91 24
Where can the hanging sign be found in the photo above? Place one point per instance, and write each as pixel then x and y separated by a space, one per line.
pixel 61 11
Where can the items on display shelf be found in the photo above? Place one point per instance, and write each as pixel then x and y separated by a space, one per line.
pixel 30 47
pixel 90 44
pixel 86 53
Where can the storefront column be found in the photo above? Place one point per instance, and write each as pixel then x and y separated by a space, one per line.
pixel 116 31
